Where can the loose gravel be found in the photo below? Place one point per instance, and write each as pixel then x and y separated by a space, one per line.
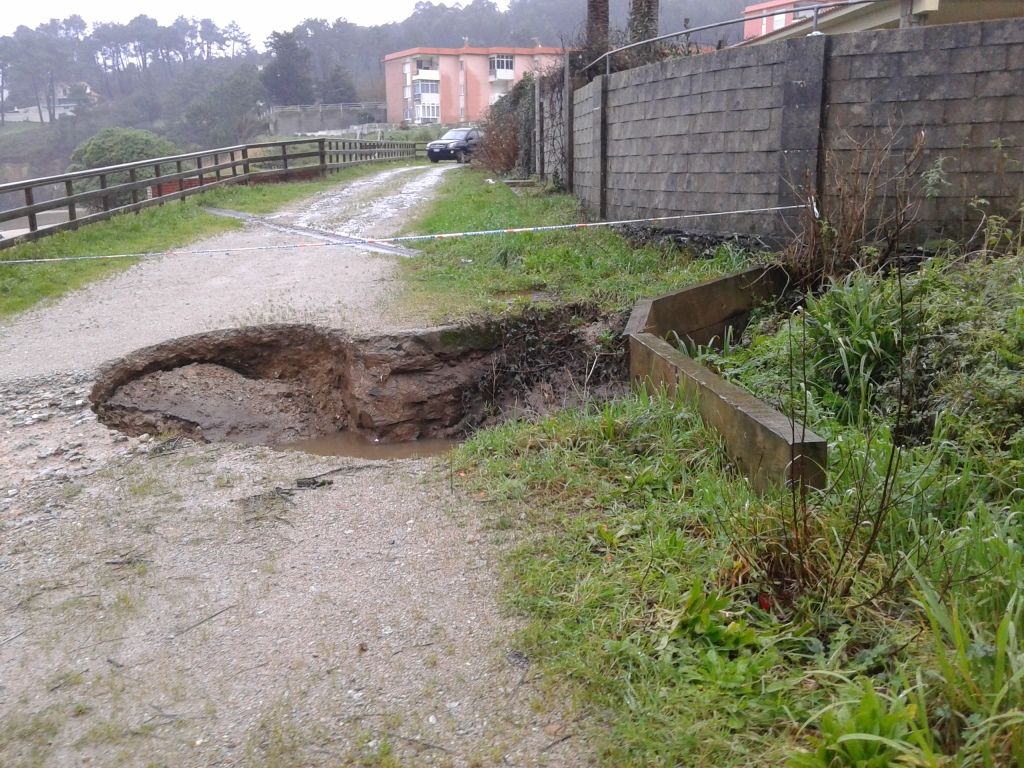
pixel 167 602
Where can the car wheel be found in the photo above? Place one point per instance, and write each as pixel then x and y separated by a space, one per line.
pixel 433 159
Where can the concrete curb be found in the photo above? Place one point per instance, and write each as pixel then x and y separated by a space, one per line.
pixel 767 446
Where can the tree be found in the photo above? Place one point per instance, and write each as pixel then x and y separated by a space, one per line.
pixel 597 25
pixel 186 37
pixel 6 57
pixel 226 115
pixel 238 40
pixel 643 20
pixel 286 77
pixel 338 88
pixel 113 146
pixel 212 37
pixel 143 37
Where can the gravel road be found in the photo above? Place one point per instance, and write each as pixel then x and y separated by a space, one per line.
pixel 166 602
pixel 171 296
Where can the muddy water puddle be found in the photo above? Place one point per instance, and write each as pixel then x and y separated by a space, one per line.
pixel 320 391
pixel 356 446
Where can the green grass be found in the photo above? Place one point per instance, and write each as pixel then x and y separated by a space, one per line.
pixel 698 623
pixel 460 277
pixel 627 584
pixel 152 230
pixel 14 129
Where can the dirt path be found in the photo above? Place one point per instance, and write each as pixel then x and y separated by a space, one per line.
pixel 159 299
pixel 164 602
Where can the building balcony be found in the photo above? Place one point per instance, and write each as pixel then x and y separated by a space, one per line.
pixel 427 74
pixel 501 74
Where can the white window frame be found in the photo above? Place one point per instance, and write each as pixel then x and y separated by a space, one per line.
pixel 496 61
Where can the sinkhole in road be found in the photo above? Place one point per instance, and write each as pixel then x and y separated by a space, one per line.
pixel 319 390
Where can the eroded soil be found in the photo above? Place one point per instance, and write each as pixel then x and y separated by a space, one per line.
pixel 169 602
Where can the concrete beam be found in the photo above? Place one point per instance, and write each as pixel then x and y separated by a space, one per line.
pixel 767 446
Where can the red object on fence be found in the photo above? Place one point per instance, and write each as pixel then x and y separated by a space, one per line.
pixel 170 187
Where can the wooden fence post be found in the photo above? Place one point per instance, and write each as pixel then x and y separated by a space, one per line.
pixel 72 208
pixel 30 200
pixel 322 149
pixel 106 198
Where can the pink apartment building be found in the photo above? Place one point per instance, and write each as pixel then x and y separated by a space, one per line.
pixel 784 13
pixel 456 85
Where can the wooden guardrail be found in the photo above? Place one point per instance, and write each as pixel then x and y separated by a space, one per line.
pixel 99 193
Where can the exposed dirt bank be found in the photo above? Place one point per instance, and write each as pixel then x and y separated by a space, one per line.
pixel 165 601
pixel 276 384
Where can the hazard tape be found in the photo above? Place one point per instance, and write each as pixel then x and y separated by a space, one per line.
pixel 356 241
pixel 586 225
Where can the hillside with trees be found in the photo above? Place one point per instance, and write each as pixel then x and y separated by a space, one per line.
pixel 198 84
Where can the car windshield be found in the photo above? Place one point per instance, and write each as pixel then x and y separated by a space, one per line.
pixel 456 134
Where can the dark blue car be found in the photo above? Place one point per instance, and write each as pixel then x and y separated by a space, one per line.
pixel 458 145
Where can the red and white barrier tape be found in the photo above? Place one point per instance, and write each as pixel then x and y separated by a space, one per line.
pixel 409 238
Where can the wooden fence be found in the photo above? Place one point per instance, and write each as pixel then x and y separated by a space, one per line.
pixel 99 193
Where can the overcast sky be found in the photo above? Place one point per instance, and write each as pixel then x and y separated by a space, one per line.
pixel 258 21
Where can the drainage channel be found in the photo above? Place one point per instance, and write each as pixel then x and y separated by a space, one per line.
pixel 320 391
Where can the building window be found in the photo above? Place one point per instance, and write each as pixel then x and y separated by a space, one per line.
pixel 778 21
pixel 428 113
pixel 426 63
pixel 426 86
pixel 406 92
pixel 501 62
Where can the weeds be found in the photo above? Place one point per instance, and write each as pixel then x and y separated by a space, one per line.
pixel 865 219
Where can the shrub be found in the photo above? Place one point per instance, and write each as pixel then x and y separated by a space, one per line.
pixel 113 146
pixel 507 145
